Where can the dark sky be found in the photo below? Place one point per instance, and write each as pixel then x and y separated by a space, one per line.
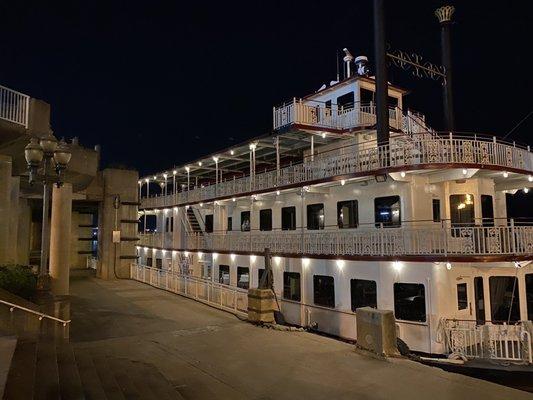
pixel 158 83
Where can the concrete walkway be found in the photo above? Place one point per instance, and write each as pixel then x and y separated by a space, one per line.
pixel 209 354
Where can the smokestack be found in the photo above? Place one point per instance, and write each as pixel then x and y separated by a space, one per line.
pixel 444 15
pixel 348 58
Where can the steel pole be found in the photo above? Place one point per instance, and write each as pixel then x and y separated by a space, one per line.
pixel 444 15
pixel 382 126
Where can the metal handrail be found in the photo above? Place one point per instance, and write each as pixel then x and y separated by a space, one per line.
pixel 40 314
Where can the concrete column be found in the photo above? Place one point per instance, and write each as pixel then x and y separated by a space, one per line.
pixel 5 206
pixel 60 238
pixel 13 220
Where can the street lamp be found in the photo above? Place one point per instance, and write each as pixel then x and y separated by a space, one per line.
pixel 39 153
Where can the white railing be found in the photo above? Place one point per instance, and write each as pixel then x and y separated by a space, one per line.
pixel 229 298
pixel 14 106
pixel 436 241
pixel 316 115
pixel 411 151
pixel 13 307
pixel 501 342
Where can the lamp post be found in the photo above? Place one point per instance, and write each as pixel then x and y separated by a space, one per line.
pixel 46 152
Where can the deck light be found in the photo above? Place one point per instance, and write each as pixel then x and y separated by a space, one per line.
pixel 200 255
pixel 277 260
pixel 402 174
pixel 323 135
pixel 340 264
pixel 155 177
pixel 253 258
pixel 215 256
pixel 201 204
pixel 232 256
pixel 233 199
pixel 253 146
pixel 215 159
pixel 138 247
pixel 231 152
pixel 199 163
pixel 140 182
pixel 174 252
pixel 397 265
pixel 465 171
pixel 505 174
pixel 277 192
pixel 530 178
pixel 174 172
pixel 176 208
pixel 305 262
pixel 526 190
pixel 186 253
pixel 165 175
pixel 343 182
pixel 147 180
pixel 187 169
pixel 145 249
pixel 448 266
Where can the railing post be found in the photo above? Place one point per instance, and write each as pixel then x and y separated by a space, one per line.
pixel 513 237
pixel 451 147
pixel 381 239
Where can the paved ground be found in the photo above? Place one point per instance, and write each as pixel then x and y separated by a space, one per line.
pixel 209 354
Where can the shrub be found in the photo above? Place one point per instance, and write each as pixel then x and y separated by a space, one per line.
pixel 19 280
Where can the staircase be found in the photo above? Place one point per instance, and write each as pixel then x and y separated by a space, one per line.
pixel 193 221
pixel 46 365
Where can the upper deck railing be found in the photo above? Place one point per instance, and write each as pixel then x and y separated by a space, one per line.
pixel 317 115
pixel 14 106
pixel 416 238
pixel 407 151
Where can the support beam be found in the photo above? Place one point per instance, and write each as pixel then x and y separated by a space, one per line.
pixel 60 239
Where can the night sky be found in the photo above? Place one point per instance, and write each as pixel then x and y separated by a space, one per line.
pixel 160 83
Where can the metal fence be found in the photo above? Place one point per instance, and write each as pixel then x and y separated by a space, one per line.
pixel 225 297
pixel 14 106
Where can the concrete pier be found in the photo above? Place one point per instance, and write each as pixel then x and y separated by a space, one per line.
pixel 60 238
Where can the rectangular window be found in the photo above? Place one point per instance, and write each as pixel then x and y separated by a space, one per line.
pixel 230 224
pixel 346 100
pixel 324 291
pixel 529 296
pixel 149 261
pixel 265 220
pixel 243 277
pixel 245 221
pixel 223 274
pixel 363 293
pixel 504 299
pixel 436 210
pixel 260 273
pixel 367 96
pixel 315 216
pixel 347 214
pixel 209 223
pixel 479 298
pixel 410 302
pixel 487 210
pixel 462 210
pixel 159 263
pixel 387 211
pixel 291 286
pixel 462 296
pixel 288 218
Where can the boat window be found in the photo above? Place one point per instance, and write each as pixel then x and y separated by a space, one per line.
pixel 291 286
pixel 149 261
pixel 230 224
pixel 462 209
pixel 288 218
pixel 363 293
pixel 387 211
pixel 487 210
pixel 151 224
pixel 504 299
pixel 169 224
pixel 209 223
pixel 159 263
pixel 223 274
pixel 346 100
pixel 315 216
pixel 367 96
pixel 479 297
pixel 347 214
pixel 462 296
pixel 410 301
pixel 245 221
pixel 243 277
pixel 265 220
pixel 324 291
pixel 436 210
pixel 529 296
